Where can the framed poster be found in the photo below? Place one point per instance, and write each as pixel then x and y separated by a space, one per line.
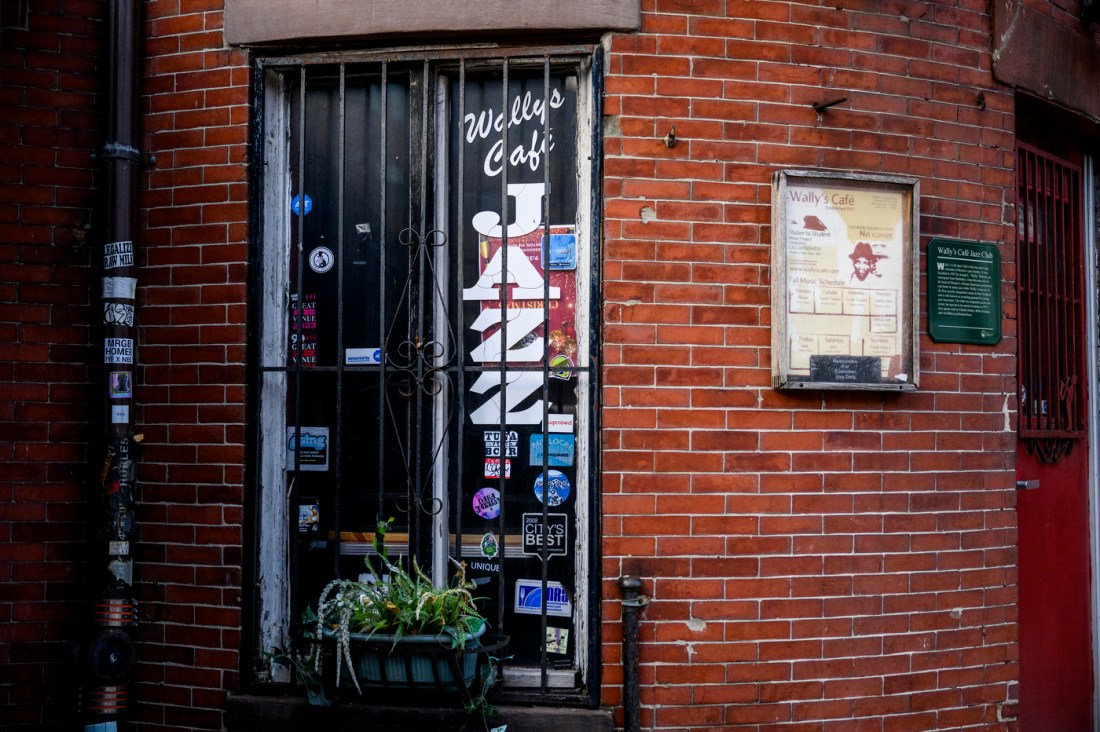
pixel 844 281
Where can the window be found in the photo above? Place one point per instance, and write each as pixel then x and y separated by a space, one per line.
pixel 1050 287
pixel 401 373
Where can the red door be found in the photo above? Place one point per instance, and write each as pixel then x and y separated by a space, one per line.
pixel 1056 677
pixel 1055 620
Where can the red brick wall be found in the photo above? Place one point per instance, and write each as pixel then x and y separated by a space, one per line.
pixel 812 559
pixel 829 560
pixel 192 349
pixel 50 224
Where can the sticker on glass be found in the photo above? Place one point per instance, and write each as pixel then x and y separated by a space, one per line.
pixel 492 468
pixel 309 517
pixel 554 534
pixel 321 260
pixel 312 449
pixel 360 356
pixel 296 205
pixel 489 545
pixel 487 503
pixel 560 452
pixel 529 599
pixel 563 251
pixel 561 367
pixel 557 640
pixel 560 423
pixel 558 490
pixel 492 443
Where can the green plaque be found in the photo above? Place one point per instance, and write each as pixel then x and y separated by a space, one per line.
pixel 964 292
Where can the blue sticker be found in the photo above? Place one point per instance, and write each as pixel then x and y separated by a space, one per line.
pixel 558 491
pixel 563 251
pixel 296 204
pixel 528 599
pixel 561 450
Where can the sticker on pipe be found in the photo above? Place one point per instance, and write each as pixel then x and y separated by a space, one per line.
pixel 117 313
pixel 118 254
pixel 118 350
pixel 121 288
pixel 122 385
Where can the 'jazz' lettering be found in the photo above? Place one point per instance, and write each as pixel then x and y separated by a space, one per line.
pixel 521 321
pixel 528 212
pixel 516 388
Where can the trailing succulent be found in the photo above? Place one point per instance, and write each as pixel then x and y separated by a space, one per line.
pixel 395 602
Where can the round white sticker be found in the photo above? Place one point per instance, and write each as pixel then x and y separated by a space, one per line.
pixel 321 260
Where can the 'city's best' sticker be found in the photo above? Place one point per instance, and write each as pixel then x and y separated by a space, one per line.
pixel 554 534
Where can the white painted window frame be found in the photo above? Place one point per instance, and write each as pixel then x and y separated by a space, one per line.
pixel 273 570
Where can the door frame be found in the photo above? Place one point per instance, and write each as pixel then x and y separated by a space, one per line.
pixel 1092 315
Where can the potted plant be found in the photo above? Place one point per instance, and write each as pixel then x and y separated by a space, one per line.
pixel 399 630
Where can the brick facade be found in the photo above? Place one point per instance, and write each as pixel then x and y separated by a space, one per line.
pixel 813 559
pixel 828 560
pixel 50 89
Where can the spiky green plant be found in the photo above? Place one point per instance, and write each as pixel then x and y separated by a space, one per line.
pixel 398 602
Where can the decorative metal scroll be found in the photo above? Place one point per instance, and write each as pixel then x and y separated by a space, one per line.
pixel 417 367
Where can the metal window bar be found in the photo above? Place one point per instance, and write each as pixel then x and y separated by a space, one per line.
pixel 420 263
pixel 1050 296
pixel 544 548
pixel 503 341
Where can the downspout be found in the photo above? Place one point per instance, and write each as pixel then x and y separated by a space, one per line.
pixel 633 602
pixel 111 653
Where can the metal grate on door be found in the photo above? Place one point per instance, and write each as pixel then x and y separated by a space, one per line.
pixel 1050 290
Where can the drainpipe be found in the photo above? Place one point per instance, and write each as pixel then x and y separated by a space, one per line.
pixel 633 602
pixel 111 653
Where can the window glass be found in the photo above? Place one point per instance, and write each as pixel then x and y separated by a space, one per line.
pixel 436 365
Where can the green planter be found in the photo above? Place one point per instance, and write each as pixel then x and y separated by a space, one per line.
pixel 415 661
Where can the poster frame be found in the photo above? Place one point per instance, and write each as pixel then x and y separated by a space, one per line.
pixel 908 378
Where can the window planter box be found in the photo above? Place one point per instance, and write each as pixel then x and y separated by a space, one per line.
pixel 415 662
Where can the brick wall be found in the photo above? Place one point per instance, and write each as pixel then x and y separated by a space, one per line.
pixel 823 560
pixel 812 559
pixel 192 349
pixel 50 224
